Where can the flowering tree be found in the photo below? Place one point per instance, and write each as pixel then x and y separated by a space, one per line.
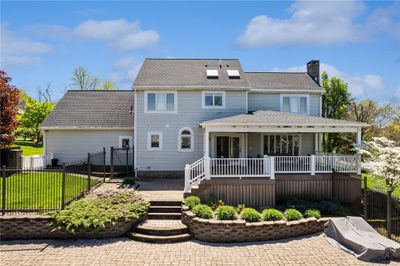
pixel 9 99
pixel 382 159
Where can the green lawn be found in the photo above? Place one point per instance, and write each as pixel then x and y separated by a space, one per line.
pixel 29 147
pixel 378 183
pixel 42 190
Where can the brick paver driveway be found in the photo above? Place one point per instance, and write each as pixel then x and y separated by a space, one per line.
pixel 312 250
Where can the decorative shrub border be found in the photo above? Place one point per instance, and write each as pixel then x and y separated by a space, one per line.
pixel 38 227
pixel 213 230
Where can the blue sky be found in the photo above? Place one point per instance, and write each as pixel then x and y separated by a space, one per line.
pixel 43 42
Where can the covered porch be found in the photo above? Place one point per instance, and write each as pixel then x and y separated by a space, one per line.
pixel 266 143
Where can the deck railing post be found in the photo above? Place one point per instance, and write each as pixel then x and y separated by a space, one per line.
pixel 266 165
pixel 187 178
pixel 3 190
pixel 207 167
pixel 272 167
pixel 88 171
pixel 312 164
pixel 63 186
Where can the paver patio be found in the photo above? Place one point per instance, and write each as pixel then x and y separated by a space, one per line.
pixel 311 250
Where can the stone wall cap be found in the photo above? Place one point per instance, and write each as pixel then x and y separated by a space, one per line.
pixel 279 222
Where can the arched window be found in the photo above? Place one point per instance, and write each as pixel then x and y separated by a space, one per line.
pixel 185 139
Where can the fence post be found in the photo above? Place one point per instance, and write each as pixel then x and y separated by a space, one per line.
pixel 365 203
pixel 389 215
pixel 126 163
pixel 112 162
pixel 3 190
pixel 88 171
pixel 187 177
pixel 63 187
pixel 104 164
pixel 272 167
pixel 312 164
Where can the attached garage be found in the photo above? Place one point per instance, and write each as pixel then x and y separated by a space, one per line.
pixel 87 121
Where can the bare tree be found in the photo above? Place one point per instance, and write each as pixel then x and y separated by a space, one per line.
pixel 45 94
pixel 83 80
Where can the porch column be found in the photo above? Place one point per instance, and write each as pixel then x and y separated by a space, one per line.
pixel 316 142
pixel 358 143
pixel 206 142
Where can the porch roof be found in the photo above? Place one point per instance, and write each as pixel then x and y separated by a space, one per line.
pixel 270 118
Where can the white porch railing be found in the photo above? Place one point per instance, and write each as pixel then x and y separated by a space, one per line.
pixel 207 167
pixel 34 162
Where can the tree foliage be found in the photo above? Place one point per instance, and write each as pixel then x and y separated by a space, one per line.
pixel 83 80
pixel 335 103
pixel 9 99
pixel 34 114
pixel 107 85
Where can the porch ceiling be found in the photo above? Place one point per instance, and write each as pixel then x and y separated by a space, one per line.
pixel 272 121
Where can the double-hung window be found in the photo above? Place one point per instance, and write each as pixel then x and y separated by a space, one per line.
pixel 213 99
pixel 161 102
pixel 295 104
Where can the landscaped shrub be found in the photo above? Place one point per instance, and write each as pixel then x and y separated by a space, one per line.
pixel 215 203
pixel 99 212
pixel 292 214
pixel 128 181
pixel 240 208
pixel 272 215
pixel 330 207
pixel 202 211
pixel 250 215
pixel 192 201
pixel 341 211
pixel 312 213
pixel 225 213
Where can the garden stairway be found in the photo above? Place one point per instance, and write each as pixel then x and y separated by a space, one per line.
pixel 163 224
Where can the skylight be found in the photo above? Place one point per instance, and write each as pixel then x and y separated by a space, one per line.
pixel 211 73
pixel 233 74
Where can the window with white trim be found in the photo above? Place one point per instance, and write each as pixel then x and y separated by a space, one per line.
pixel 154 141
pixel 213 99
pixel 185 139
pixel 161 102
pixel 125 142
pixel 295 104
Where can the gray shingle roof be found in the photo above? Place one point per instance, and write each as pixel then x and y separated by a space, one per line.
pixel 92 109
pixel 188 73
pixel 273 118
pixel 270 81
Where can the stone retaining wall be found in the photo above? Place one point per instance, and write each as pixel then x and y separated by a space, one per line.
pixel 239 231
pixel 38 227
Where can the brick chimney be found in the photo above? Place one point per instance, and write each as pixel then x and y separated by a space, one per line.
pixel 313 70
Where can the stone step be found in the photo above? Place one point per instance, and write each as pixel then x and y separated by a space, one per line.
pixel 159 239
pixel 161 228
pixel 164 209
pixel 164 216
pixel 165 203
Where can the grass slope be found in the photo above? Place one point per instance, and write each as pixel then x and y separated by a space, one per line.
pixel 378 183
pixel 29 147
pixel 41 190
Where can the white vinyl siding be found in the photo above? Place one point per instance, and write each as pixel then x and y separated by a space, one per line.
pixel 190 115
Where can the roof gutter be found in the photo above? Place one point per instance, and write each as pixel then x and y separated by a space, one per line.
pixel 87 128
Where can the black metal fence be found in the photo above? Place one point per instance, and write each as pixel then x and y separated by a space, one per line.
pixel 121 162
pixel 50 188
pixel 382 212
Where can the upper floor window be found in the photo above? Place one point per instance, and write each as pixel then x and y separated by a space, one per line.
pixel 213 99
pixel 160 102
pixel 185 139
pixel 295 104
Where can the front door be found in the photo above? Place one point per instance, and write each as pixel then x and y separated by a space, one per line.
pixel 228 147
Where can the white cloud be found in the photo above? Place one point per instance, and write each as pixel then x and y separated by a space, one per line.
pixel 20 50
pixel 358 84
pixel 124 71
pixel 316 24
pixel 121 33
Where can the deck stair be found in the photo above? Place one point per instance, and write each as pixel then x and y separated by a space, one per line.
pixel 163 224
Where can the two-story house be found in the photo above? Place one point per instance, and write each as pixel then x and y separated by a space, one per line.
pixel 204 118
